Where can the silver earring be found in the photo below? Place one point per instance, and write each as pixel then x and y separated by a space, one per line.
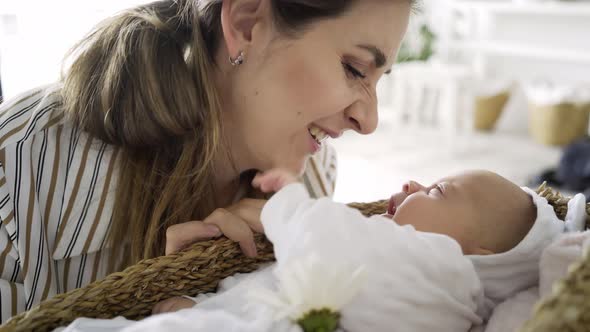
pixel 238 60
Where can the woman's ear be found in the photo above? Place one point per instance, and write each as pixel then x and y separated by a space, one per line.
pixel 238 20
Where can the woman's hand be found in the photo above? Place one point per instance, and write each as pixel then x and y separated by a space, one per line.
pixel 238 222
pixel 172 304
pixel 273 180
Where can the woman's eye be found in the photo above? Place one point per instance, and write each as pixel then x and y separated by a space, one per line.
pixel 353 71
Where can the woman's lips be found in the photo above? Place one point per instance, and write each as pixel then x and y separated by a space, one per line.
pixel 392 207
pixel 314 146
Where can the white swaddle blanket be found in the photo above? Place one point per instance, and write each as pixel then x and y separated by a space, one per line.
pixel 511 314
pixel 410 281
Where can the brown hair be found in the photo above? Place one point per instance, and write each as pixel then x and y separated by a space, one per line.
pixel 142 81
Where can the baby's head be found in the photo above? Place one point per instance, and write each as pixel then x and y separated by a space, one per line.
pixel 481 210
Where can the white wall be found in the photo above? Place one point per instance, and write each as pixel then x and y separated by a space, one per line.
pixel 535 40
pixel 36 34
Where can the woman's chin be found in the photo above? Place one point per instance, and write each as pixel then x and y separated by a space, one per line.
pixel 296 167
pixel 293 164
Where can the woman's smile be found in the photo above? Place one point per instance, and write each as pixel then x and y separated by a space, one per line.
pixel 317 136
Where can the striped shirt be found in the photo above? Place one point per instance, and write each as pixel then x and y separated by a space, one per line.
pixel 57 187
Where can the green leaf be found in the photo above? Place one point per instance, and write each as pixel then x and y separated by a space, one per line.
pixel 426 38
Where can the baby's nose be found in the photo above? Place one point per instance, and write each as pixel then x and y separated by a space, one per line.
pixel 412 187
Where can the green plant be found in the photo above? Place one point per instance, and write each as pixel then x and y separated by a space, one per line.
pixel 424 40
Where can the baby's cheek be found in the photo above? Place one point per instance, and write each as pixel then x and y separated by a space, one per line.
pixel 405 216
pixel 424 217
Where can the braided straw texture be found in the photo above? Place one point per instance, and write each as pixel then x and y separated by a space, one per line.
pixel 133 292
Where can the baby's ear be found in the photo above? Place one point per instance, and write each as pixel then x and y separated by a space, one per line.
pixel 482 252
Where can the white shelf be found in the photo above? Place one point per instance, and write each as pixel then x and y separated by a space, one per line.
pixel 553 8
pixel 514 49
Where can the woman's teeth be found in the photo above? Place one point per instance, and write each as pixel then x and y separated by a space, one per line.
pixel 318 134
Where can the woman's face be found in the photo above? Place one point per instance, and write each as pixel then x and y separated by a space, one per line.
pixel 323 82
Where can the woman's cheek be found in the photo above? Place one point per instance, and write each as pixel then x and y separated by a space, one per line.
pixel 315 85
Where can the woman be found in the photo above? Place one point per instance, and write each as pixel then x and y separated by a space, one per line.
pixel 152 138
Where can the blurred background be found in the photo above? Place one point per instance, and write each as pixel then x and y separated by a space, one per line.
pixel 502 85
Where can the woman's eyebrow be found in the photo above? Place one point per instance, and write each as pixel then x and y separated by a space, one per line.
pixel 378 56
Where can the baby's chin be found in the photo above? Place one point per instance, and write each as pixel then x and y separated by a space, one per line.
pixel 387 215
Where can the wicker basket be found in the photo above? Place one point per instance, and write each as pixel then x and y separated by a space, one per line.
pixel 559 124
pixel 133 292
pixel 488 109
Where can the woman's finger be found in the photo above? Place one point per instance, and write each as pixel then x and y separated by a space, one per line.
pixel 180 235
pixel 235 229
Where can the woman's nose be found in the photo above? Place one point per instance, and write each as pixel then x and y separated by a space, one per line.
pixel 412 187
pixel 362 117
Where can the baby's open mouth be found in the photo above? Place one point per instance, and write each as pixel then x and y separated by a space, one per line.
pixel 392 207
pixel 318 134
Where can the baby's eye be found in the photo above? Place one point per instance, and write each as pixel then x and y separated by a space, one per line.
pixel 436 190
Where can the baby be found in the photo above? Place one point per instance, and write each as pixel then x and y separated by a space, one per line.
pixel 499 228
pixel 484 212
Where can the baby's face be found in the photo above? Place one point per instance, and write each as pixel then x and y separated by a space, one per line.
pixel 470 207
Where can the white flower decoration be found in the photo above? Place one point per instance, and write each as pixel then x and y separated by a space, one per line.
pixel 307 285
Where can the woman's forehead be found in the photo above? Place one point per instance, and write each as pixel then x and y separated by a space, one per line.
pixel 379 24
